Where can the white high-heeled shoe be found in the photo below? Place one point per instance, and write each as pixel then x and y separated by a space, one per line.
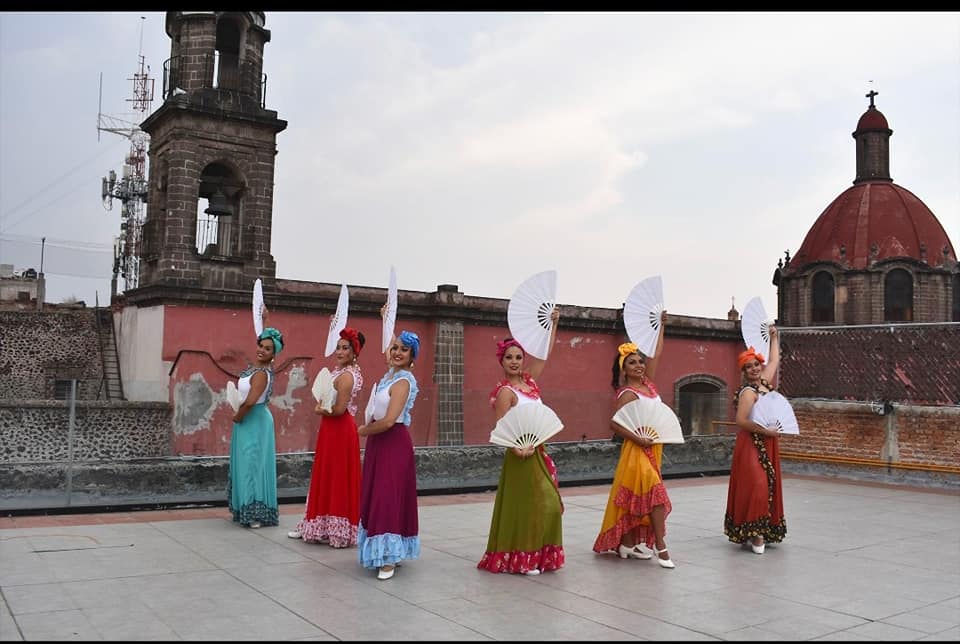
pixel 757 550
pixel 664 563
pixel 294 534
pixel 632 552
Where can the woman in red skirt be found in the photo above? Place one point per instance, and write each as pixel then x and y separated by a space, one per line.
pixel 333 501
pixel 754 496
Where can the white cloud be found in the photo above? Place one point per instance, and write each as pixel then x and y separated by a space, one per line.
pixel 477 149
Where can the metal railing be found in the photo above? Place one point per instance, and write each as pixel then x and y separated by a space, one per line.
pixel 217 237
pixel 219 71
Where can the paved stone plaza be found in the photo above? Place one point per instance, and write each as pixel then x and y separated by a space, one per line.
pixel 860 562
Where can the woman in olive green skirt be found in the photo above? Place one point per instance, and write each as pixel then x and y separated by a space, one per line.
pixel 526 532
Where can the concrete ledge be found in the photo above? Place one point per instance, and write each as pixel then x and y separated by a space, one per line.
pixel 26 487
pixel 873 473
pixel 184 480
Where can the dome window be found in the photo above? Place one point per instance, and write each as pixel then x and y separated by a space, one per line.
pixel 898 296
pixel 823 297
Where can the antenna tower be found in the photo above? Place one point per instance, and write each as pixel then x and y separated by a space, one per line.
pixel 131 188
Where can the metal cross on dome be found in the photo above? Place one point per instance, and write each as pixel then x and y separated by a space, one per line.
pixel 870 95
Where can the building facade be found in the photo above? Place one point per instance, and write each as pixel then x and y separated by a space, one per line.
pixel 876 254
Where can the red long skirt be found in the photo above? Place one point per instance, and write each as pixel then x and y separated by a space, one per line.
pixel 333 501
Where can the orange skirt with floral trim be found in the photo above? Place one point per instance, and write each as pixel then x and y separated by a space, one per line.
pixel 754 493
pixel 636 490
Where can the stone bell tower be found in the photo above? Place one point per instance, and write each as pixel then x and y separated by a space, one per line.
pixel 212 149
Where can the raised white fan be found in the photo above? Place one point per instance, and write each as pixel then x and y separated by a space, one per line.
pixel 755 327
pixel 390 318
pixel 528 313
pixel 371 405
pixel 339 321
pixel 323 391
pixel 258 307
pixel 233 395
pixel 773 410
pixel 649 418
pixel 526 425
pixel 641 314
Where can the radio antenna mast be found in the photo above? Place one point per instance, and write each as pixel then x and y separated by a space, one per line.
pixel 131 188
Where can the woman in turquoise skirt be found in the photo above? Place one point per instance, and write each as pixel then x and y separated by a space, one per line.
pixel 252 485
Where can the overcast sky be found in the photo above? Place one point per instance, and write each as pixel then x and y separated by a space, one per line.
pixel 478 149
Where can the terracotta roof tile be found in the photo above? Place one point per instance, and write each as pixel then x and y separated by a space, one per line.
pixel 903 363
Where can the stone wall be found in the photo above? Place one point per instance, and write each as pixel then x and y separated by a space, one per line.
pixel 39 348
pixel 34 431
pixel 904 435
pixel 183 480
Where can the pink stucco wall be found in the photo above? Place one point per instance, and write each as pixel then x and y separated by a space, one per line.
pixel 214 343
pixel 211 340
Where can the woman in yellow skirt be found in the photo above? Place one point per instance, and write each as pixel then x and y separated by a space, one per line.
pixel 637 509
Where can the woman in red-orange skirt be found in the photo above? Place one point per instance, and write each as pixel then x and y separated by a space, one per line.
pixel 754 512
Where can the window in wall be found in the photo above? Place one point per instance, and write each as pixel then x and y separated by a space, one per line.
pixel 219 212
pixel 61 389
pixel 956 298
pixel 898 296
pixel 823 292
pixel 227 56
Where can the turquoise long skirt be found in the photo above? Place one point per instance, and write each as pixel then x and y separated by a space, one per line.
pixel 252 485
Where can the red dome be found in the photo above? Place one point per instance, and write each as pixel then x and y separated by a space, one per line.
pixel 872 221
pixel 872 119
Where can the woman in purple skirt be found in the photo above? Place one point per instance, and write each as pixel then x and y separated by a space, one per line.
pixel 389 525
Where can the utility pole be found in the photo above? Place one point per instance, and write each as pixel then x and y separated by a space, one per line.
pixel 41 280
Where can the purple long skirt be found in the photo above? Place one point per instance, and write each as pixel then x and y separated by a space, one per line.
pixel 389 522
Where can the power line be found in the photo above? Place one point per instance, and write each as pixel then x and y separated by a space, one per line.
pixel 58 179
pixel 59 243
pixel 105 276
pixel 86 182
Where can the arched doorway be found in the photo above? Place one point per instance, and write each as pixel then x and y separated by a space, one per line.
pixel 701 400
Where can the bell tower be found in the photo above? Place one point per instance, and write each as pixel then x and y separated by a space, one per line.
pixel 212 150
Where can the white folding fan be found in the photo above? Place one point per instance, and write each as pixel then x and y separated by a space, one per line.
pixel 339 321
pixel 258 307
pixel 323 391
pixel 233 395
pixel 526 425
pixel 371 406
pixel 390 318
pixel 755 327
pixel 528 313
pixel 649 418
pixel 773 410
pixel 641 314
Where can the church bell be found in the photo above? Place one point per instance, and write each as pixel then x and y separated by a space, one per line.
pixel 218 205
